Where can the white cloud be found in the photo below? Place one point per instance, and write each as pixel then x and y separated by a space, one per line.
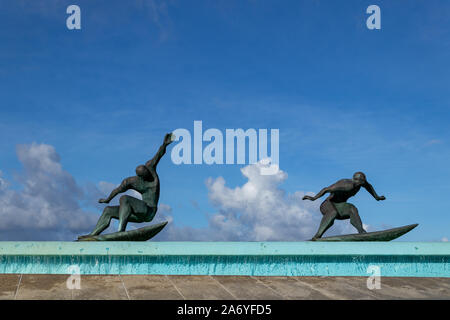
pixel 3 183
pixel 259 210
pixel 444 239
pixel 46 206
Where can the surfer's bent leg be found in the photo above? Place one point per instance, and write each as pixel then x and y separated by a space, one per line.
pixel 355 219
pixel 329 214
pixel 105 219
pixel 131 209
pixel 151 211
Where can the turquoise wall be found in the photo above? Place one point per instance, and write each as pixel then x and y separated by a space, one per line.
pixel 400 259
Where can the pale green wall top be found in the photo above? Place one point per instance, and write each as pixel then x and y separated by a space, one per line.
pixel 225 248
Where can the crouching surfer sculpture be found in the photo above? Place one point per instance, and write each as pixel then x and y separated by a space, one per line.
pixel 146 182
pixel 336 206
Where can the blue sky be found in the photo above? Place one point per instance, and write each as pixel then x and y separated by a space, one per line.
pixel 344 98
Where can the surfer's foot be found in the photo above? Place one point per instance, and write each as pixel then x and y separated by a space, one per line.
pixel 85 236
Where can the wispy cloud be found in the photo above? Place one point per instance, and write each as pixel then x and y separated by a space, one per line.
pixel 433 142
pixel 158 10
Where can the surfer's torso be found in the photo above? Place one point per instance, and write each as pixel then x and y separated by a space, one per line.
pixel 148 189
pixel 343 190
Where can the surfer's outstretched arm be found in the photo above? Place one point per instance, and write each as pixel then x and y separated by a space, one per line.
pixel 161 151
pixel 124 186
pixel 372 191
pixel 341 185
pixel 317 196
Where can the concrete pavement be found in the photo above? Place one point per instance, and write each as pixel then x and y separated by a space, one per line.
pixel 153 287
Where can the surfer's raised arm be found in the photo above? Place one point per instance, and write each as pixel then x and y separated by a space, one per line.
pixel 371 190
pixel 124 186
pixel 161 151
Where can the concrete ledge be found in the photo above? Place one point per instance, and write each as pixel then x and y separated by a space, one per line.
pixel 400 259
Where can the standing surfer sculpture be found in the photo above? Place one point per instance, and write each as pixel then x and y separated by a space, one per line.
pixel 131 209
pixel 336 206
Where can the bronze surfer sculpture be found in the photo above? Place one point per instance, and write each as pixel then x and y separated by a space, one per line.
pixel 131 209
pixel 336 206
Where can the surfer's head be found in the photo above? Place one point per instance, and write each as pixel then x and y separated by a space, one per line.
pixel 359 178
pixel 142 171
